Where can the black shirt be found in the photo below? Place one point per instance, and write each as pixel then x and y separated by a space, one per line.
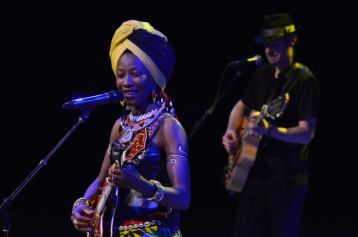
pixel 302 87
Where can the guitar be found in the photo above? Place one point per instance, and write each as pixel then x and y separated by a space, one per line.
pixel 240 163
pixel 116 151
pixel 99 209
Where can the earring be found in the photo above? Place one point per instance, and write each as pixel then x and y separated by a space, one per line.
pixel 123 103
pixel 154 96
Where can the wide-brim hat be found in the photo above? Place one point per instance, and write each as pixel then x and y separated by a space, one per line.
pixel 276 26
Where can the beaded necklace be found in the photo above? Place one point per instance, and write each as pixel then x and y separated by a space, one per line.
pixel 133 123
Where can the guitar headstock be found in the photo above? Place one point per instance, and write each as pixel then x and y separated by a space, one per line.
pixel 116 152
pixel 276 107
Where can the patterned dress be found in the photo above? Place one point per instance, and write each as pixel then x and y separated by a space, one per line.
pixel 128 212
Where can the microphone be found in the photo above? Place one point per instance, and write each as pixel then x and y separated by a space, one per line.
pixel 92 101
pixel 257 60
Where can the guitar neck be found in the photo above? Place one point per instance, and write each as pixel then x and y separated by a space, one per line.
pixel 106 190
pixel 104 196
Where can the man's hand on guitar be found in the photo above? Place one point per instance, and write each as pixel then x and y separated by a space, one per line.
pixel 230 140
pixel 259 125
pixel 82 218
pixel 262 130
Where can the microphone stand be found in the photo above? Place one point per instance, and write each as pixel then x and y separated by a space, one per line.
pixel 4 212
pixel 217 98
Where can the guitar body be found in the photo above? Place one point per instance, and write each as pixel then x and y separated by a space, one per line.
pixel 239 165
pixel 106 189
pixel 99 210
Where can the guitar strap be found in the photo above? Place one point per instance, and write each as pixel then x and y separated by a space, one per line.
pixel 292 76
pixel 153 127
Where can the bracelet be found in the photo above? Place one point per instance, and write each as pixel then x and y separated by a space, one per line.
pixel 81 200
pixel 159 191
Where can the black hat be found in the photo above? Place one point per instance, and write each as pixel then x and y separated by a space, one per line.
pixel 274 27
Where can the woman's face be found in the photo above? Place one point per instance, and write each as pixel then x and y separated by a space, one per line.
pixel 135 81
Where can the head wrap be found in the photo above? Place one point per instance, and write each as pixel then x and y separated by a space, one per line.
pixel 148 44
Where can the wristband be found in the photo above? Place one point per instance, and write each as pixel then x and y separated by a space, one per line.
pixel 159 192
pixel 81 200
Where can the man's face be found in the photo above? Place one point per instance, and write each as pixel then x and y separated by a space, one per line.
pixel 277 51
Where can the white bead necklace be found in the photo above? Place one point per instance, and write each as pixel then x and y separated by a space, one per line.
pixel 143 121
pixel 138 118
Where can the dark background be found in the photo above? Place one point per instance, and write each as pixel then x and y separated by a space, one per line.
pixel 52 52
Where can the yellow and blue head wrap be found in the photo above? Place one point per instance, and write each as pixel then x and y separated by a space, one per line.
pixel 148 44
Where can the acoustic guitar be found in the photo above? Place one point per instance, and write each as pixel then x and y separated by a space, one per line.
pixel 240 163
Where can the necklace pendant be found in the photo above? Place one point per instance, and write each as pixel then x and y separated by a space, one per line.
pixel 127 137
